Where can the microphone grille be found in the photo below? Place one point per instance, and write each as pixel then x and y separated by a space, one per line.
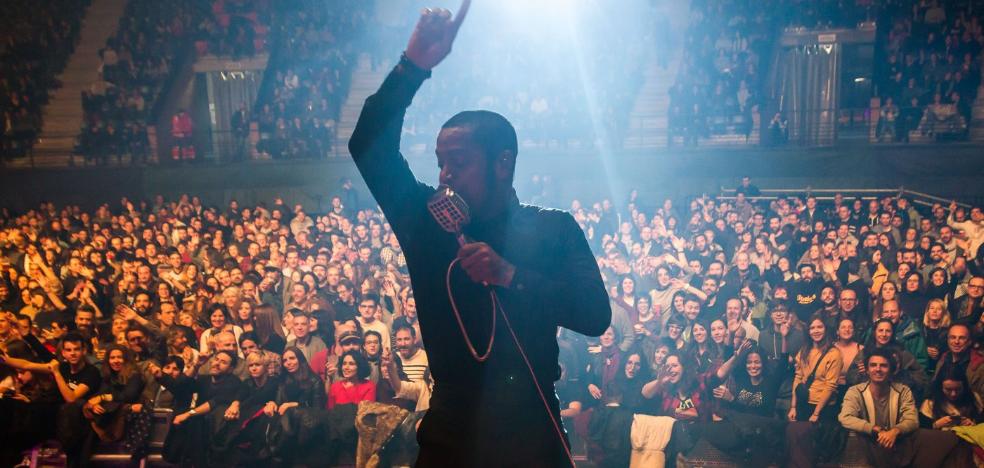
pixel 448 209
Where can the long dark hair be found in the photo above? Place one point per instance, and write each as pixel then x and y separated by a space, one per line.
pixel 303 374
pixel 129 366
pixel 823 346
pixel 361 363
pixel 966 403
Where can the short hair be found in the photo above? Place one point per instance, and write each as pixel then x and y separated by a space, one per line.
pixel 490 130
pixel 884 353
pixel 403 325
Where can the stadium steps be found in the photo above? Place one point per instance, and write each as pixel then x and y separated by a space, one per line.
pixel 648 119
pixel 63 114
pixel 365 81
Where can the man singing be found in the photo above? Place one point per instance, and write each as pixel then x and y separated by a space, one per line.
pixel 484 412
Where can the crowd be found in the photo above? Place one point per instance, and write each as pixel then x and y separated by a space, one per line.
pixel 742 323
pixel 928 69
pixel 720 79
pixel 36 40
pixel 316 48
pixel 235 28
pixel 134 68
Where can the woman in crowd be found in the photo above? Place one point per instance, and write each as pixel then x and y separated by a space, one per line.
pixel 936 320
pixel 908 371
pixel 218 316
pixel 604 363
pixel 354 386
pixel 626 298
pixel 626 388
pixel 749 430
pixel 268 330
pixel 27 407
pixel 951 402
pixel 658 357
pixel 873 270
pixel 674 331
pixel 813 408
pixel 721 339
pixel 702 349
pixel 178 344
pixel 682 393
pixel 852 357
pixel 244 316
pixel 888 292
pixel 648 326
pixel 122 384
pixel 912 299
pixel 299 387
pixel 249 424
pixel 372 349
pixel 940 286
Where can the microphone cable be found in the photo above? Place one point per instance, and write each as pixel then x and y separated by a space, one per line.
pixel 497 305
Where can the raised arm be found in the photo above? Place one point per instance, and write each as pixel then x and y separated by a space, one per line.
pixel 375 143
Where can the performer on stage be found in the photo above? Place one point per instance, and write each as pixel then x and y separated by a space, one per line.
pixel 486 413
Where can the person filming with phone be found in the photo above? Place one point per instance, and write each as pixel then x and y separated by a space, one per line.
pixel 492 288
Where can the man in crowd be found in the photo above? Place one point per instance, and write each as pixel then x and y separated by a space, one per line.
pixel 884 413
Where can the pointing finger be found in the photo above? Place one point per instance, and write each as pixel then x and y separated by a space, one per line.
pixel 462 12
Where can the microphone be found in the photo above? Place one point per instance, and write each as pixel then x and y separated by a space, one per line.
pixel 449 211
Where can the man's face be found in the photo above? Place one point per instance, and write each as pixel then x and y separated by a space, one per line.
pixel 141 303
pixel 136 341
pixel 958 339
pixel 225 342
pixel 344 293
pixel 878 369
pixel 333 276
pixel 946 234
pixel 848 300
pixel 367 310
pixel 405 343
pixel 691 309
pixel 300 326
pixel 83 320
pixel 72 352
pixel 167 314
pixel 464 167
pixel 890 310
pixel 297 293
pixel 975 287
pixel 371 345
pixel 806 274
pixel 709 287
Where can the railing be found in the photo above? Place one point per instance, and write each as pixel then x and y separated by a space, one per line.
pixel 919 198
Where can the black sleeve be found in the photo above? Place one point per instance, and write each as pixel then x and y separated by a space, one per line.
pixel 35 344
pixel 574 291
pixel 375 145
pixel 130 393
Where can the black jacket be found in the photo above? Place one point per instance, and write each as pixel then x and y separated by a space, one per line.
pixel 557 282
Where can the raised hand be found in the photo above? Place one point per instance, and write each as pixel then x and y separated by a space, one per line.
pixel 435 32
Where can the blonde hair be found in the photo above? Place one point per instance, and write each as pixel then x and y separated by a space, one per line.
pixel 944 320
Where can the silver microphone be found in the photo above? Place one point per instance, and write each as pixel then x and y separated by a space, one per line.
pixel 450 211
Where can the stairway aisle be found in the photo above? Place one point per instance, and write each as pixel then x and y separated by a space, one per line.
pixel 63 114
pixel 365 81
